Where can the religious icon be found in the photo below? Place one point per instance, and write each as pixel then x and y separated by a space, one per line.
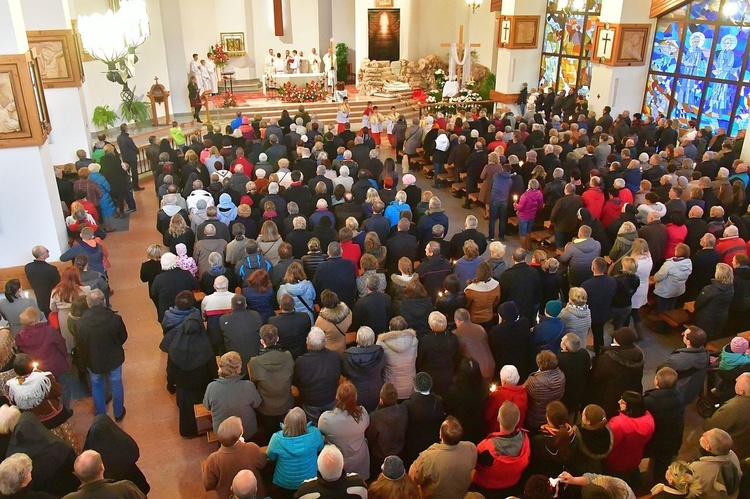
pixel 633 46
pixel 8 114
pixel 233 43
pixel 723 66
pixel 58 57
pixel 605 44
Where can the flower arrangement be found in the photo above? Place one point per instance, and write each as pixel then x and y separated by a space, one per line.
pixel 220 57
pixel 311 92
pixel 440 79
pixel 229 100
pixel 464 96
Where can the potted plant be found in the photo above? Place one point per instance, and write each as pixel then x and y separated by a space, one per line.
pixel 342 65
pixel 103 117
pixel 137 112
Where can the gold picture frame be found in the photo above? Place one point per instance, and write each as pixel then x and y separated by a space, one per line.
pixel 59 58
pixel 383 4
pixel 24 118
pixel 233 43
pixel 630 49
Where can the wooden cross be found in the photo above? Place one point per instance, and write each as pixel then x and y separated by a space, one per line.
pixel 278 18
pixel 460 48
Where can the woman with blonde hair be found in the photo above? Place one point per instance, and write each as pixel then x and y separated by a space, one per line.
pixel 370 198
pixel 399 281
pixel 395 207
pixel 231 395
pixel 269 241
pixel 335 319
pixel 626 234
pixel 300 288
pixel 295 449
pixel 62 297
pixel 640 253
pixel 576 315
pixel 152 267
pixel 179 232
pixel 212 158
pixel 345 426
pixel 712 304
pixel 681 483
pixel 375 248
pixel 423 205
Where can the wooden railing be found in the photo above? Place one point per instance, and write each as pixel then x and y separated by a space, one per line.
pixel 143 166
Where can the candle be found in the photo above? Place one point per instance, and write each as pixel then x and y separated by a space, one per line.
pixel 515 197
pixel 440 294
pixel 493 387
pixel 36 365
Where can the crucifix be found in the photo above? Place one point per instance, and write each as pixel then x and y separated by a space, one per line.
pixel 606 39
pixel 460 48
pixel 506 28
pixel 278 18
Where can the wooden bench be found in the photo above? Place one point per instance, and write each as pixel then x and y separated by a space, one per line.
pixel 676 318
pixel 513 221
pixel 458 187
pixel 474 196
pixel 19 272
pixel 204 422
pixel 448 174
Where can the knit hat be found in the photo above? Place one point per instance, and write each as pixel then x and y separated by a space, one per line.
pixel 393 468
pixel 409 179
pixel 553 308
pixel 739 344
pixel 422 381
pixel 168 261
pixel 624 336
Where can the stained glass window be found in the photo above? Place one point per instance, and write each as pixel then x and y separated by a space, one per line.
pixel 568 41
pixel 698 58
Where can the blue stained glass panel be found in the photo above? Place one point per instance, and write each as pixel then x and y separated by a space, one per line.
pixel 666 46
pixel 704 10
pixel 548 77
pixel 573 35
pixel 736 11
pixel 658 95
pixel 553 33
pixel 718 105
pixel 742 113
pixel 696 49
pixel 729 52
pixel 688 93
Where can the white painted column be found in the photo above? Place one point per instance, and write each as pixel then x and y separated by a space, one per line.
pixel 517 66
pixel 66 105
pixel 30 212
pixel 622 87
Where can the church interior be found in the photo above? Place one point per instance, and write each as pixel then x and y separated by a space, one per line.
pixel 636 108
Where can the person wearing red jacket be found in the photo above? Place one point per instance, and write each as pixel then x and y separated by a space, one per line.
pixel 593 198
pixel 631 429
pixel 729 245
pixel 612 207
pixel 509 389
pixel 502 456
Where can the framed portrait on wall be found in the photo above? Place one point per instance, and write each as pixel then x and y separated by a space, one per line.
pixel 59 57
pixel 631 44
pixel 384 4
pixel 518 32
pixel 24 119
pixel 233 44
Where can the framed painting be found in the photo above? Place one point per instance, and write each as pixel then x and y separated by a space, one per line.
pixel 384 4
pixel 233 44
pixel 384 34
pixel 524 32
pixel 631 44
pixel 24 119
pixel 58 55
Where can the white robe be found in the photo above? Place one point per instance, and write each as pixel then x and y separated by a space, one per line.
pixel 205 80
pixel 295 65
pixel 213 79
pixel 195 70
pixel 270 64
pixel 314 63
pixel 279 65
pixel 330 69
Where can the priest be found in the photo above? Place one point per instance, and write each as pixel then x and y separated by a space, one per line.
pixel 314 60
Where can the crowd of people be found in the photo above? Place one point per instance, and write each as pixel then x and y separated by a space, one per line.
pixel 363 353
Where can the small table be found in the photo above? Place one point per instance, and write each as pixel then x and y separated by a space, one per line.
pixel 228 77
pixel 296 78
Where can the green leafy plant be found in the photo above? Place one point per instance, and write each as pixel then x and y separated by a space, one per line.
pixel 103 117
pixel 342 61
pixel 488 83
pixel 138 112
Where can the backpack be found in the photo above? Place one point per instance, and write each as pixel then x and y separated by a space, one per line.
pixel 250 266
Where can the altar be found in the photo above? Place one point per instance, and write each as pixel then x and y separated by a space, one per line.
pixel 297 79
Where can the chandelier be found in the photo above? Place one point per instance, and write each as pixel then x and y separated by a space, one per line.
pixel 113 37
pixel 474 4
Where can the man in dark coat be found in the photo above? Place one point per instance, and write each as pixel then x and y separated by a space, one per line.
pixel 564 216
pixel 100 340
pixel 400 245
pixel 690 363
pixel 129 154
pixel 666 405
pixel 387 431
pixel 292 327
pixel 360 152
pixel 170 282
pixel 600 289
pixel 655 234
pixel 338 275
pixel 89 468
pixel 433 269
pixel 241 330
pixel 377 222
pixel 522 285
pixel 470 232
pixel 316 375
pixel 575 363
pixel 425 415
pixel 42 276
pixel 617 368
pixel 374 309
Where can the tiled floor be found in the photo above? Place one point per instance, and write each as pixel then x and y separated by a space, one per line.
pixel 170 462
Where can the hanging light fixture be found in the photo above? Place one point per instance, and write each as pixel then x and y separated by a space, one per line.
pixel 474 4
pixel 113 37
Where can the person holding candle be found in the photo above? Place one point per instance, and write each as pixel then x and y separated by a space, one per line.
pixel 526 208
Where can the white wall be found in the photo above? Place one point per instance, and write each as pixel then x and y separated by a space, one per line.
pixel 342 28
pixel 152 61
pixel 518 66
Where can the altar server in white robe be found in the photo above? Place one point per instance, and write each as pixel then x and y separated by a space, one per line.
pixel 329 61
pixel 376 124
pixel 295 64
pixel 212 76
pixel 195 70
pixel 279 64
pixel 314 60
pixel 270 63
pixel 205 78
pixel 342 115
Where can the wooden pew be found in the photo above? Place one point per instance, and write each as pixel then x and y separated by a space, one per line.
pixel 715 346
pixel 18 272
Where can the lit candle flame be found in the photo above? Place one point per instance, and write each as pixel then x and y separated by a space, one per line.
pixel 36 365
pixel 515 197
pixel 440 294
pixel 493 387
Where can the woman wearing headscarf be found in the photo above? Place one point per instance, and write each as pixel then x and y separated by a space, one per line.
pixel 119 451
pixel 191 364
pixel 53 458
pixel 226 211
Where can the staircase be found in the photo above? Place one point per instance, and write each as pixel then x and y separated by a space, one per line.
pixel 252 85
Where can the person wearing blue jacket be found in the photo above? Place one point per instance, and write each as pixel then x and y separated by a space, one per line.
pixel 548 334
pixel 435 215
pixel 499 193
pixel 295 449
pixel 300 288
pixel 394 209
